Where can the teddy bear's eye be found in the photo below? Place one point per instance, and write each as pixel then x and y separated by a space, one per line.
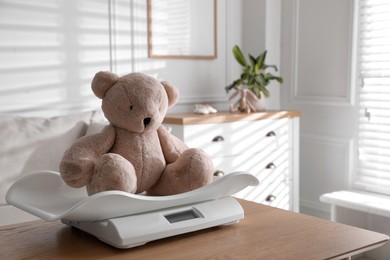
pixel 131 107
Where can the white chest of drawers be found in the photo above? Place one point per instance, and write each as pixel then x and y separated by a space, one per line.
pixel 266 144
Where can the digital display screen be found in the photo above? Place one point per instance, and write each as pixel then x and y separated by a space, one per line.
pixel 182 216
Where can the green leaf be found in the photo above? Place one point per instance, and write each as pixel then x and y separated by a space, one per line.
pixel 235 84
pixel 265 91
pixel 270 66
pixel 255 65
pixel 251 80
pixel 261 59
pixel 238 55
pixel 269 77
pixel 260 80
pixel 253 60
pixel 246 73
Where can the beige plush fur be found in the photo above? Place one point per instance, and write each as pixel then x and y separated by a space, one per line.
pixel 135 153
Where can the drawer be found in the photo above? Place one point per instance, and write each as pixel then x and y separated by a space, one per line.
pixel 277 194
pixel 267 167
pixel 238 137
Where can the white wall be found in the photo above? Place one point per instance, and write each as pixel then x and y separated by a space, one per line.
pixel 317 50
pixel 50 50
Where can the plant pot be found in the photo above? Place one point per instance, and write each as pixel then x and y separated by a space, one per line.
pixel 246 103
pixel 259 103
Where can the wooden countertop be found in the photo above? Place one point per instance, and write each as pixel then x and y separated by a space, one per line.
pixel 264 233
pixel 221 117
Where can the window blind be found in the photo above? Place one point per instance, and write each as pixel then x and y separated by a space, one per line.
pixel 373 166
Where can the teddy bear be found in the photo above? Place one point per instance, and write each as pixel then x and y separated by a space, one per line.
pixel 135 153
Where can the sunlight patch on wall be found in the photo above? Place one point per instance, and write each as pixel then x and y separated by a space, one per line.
pixel 49 53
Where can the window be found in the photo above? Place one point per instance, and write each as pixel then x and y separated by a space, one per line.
pixel 373 166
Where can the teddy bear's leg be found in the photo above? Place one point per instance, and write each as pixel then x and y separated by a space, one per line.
pixel 192 170
pixel 112 172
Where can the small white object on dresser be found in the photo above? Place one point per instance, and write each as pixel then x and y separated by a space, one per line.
pixel 265 144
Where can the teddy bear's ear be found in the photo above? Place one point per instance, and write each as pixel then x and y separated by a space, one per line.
pixel 172 92
pixel 102 81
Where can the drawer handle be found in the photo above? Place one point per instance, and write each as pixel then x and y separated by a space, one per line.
pixel 219 173
pixel 270 198
pixel 270 134
pixel 218 138
pixel 270 166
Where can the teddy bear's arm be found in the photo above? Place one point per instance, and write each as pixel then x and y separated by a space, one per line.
pixel 172 146
pixel 78 161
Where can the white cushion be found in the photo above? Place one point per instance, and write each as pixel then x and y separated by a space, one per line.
pixel 96 127
pixel 33 144
pixel 98 122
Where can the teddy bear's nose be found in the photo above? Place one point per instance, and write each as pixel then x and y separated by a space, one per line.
pixel 146 121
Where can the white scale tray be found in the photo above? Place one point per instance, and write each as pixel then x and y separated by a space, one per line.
pixel 122 219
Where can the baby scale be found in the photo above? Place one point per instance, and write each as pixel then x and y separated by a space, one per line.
pixel 126 220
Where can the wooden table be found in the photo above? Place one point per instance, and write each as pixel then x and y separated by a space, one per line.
pixel 265 233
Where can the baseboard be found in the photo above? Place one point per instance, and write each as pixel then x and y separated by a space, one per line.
pixel 316 209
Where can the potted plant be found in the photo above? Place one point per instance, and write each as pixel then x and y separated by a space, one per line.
pixel 251 86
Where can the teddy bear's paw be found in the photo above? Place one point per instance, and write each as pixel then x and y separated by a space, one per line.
pixel 76 173
pixel 193 169
pixel 113 172
pixel 199 168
